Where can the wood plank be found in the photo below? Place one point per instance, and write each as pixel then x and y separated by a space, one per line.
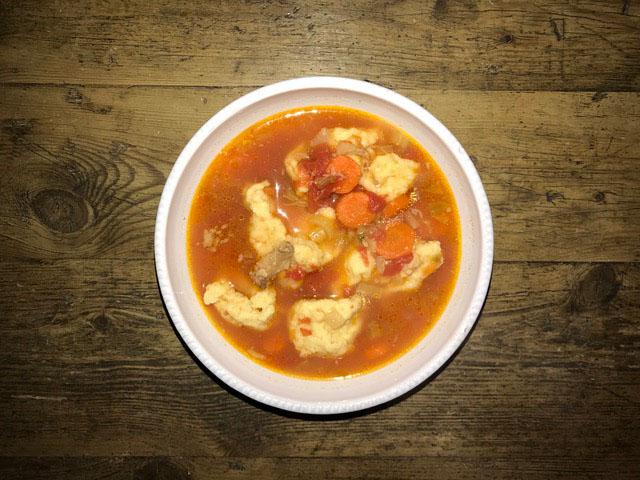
pixel 497 45
pixel 91 365
pixel 99 97
pixel 562 182
pixel 372 468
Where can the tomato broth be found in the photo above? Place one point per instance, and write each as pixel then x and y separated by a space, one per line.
pixel 392 322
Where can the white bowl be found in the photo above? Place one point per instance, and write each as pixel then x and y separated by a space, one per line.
pixel 323 396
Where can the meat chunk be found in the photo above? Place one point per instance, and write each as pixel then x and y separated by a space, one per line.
pixel 279 259
pixel 389 176
pixel 326 327
pixel 254 312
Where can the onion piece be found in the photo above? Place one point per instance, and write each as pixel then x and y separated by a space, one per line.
pixel 288 197
pixel 325 223
pixel 346 148
pixel 383 149
pixel 417 213
pixel 380 263
pixel 369 290
pixel 412 220
pixel 321 137
pixel 414 217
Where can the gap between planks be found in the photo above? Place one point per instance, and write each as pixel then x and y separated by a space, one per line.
pixel 253 87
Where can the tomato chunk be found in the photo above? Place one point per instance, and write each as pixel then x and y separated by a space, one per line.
pixel 392 267
pixel 319 157
pixel 295 273
pixel 376 202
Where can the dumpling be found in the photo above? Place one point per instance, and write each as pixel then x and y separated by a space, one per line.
pixel 326 327
pixel 309 255
pixel 358 136
pixel 255 312
pixel 266 231
pixel 359 266
pixel 291 164
pixel 389 176
pixel 427 258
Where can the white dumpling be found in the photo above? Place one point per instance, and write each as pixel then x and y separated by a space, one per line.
pixel 389 176
pixel 359 266
pixel 325 327
pixel 254 312
pixel 291 166
pixel 266 231
pixel 358 136
pixel 427 258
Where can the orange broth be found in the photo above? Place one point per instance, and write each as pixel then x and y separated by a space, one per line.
pixel 392 324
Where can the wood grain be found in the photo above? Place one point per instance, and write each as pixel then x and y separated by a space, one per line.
pixel 94 357
pixel 494 45
pixel 84 167
pixel 408 468
pixel 97 99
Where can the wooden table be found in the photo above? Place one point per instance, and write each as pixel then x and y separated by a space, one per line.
pixel 98 98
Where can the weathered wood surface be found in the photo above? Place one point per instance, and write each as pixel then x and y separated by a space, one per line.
pixel 551 369
pixel 491 44
pixel 96 101
pixel 562 182
pixel 405 468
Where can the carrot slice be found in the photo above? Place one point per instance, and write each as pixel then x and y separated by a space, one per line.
pixel 396 205
pixel 397 241
pixel 348 172
pixel 353 210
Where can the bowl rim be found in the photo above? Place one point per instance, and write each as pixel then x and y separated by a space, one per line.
pixel 452 344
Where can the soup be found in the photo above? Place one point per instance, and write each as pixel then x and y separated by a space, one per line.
pixel 323 242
